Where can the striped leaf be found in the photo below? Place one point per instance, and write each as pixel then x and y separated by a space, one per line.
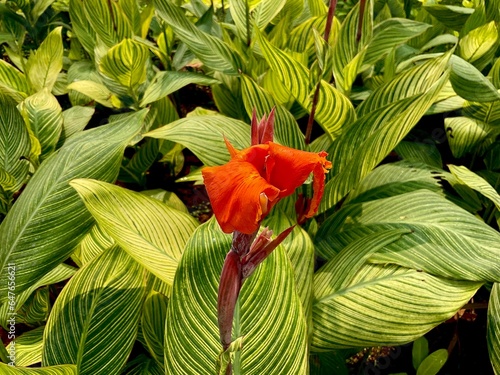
pixel 348 53
pixel 488 113
pixel 94 321
pixel 154 315
pixel 44 65
pixel 96 91
pixel 411 82
pixel 300 250
pixel 108 21
pixel 268 319
pixel 393 179
pixel 334 111
pixel 52 370
pixel 388 35
pixel 153 233
pixel 81 26
pixel 466 135
pixel 14 145
pixel 375 136
pixel 451 16
pixel 204 136
pixel 91 245
pixel 398 304
pixel 125 63
pixel 475 182
pixel 493 328
pixel 60 273
pixel 44 116
pixel 266 11
pixel 75 119
pixel 144 365
pixel 424 152
pixel 440 230
pixel 286 129
pixel 479 45
pixel 212 52
pixel 50 210
pixel 13 79
pixel 469 83
pixel 167 82
pixel 28 347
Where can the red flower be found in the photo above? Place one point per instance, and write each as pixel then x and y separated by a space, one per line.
pixel 245 189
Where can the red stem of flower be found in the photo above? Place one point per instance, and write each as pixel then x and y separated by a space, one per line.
pixel 229 290
pixel 362 4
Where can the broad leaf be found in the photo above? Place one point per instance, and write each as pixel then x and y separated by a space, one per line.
pixel 469 83
pixel 94 320
pixel 28 347
pixel 479 45
pixel 375 136
pixel 50 211
pixel 44 65
pixel 153 319
pixel 419 351
pixel 75 119
pixel 286 129
pixel 168 82
pixel 81 26
pixel 465 135
pixel 451 16
pixel 213 52
pixel 388 35
pixel 334 111
pixel 44 116
pixel 14 144
pixel 204 136
pixel 13 79
pixel 475 182
pixel 152 233
pixel 440 230
pixel 107 20
pixel 125 63
pixel 423 300
pixel 268 319
pixel 52 370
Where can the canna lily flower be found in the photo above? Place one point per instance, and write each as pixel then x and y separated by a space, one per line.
pixel 244 190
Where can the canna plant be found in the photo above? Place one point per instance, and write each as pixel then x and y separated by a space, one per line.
pixel 395 239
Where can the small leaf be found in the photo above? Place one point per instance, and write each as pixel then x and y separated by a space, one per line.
pixel 419 351
pixel 433 363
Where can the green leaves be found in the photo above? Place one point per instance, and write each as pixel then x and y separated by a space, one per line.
pixel 126 63
pixel 376 134
pixel 268 320
pixel 168 82
pixel 48 219
pixel 14 146
pixel 213 52
pixel 334 111
pixel 44 116
pixel 97 312
pixel 153 233
pixel 423 300
pixel 44 65
pixel 204 136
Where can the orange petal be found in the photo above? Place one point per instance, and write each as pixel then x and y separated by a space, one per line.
pixel 288 168
pixel 235 193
